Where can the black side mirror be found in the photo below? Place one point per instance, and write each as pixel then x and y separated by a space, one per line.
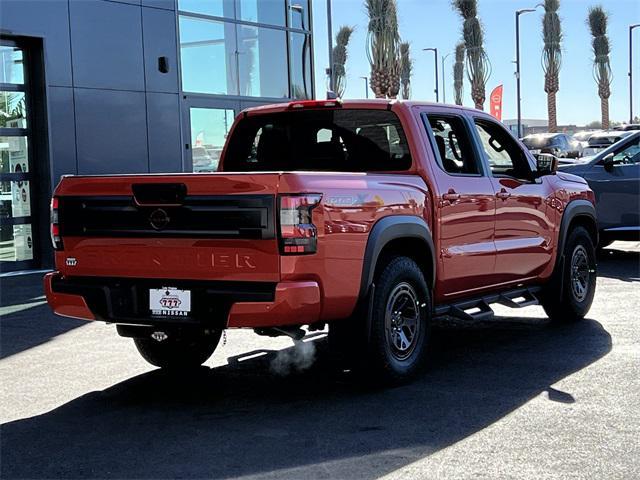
pixel 608 163
pixel 546 164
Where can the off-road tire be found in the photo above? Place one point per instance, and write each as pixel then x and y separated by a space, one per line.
pixel 178 353
pixel 399 283
pixel 565 300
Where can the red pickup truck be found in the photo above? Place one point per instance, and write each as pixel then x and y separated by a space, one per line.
pixel 373 217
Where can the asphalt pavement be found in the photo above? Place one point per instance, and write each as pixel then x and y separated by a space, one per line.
pixel 516 397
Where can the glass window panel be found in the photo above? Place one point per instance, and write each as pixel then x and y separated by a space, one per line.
pixel 262 62
pixel 23 242
pixel 13 155
pixel 216 8
pixel 299 14
pixel 300 61
pixel 270 12
pixel 15 199
pixel 7 251
pixel 209 129
pixel 6 198
pixel 13 110
pixel 11 65
pixel 207 51
pixel 16 243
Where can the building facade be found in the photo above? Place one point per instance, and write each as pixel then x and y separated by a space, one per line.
pixel 532 126
pixel 130 86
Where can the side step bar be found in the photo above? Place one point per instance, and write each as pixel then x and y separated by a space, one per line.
pixel 480 308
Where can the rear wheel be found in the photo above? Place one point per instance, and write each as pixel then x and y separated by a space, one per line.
pixel 392 347
pixel 570 295
pixel 178 353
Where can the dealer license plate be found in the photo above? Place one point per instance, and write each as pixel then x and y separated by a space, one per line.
pixel 170 302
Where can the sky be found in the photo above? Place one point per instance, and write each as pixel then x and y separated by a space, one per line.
pixel 433 23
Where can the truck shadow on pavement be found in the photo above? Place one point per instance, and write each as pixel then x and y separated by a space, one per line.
pixel 243 419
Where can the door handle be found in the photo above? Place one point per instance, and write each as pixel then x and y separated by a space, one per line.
pixel 503 194
pixel 451 196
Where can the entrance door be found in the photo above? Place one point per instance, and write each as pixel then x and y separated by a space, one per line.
pixel 207 125
pixel 17 228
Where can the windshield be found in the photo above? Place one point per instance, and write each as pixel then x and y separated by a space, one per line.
pixel 538 142
pixel 347 140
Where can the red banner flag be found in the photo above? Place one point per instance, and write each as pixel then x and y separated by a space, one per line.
pixel 496 102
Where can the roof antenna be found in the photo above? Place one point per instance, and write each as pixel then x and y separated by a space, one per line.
pixel 331 95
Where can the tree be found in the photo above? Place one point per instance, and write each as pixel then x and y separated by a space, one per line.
pixel 406 70
pixel 478 66
pixel 597 22
pixel 340 59
pixel 458 73
pixel 551 58
pixel 383 45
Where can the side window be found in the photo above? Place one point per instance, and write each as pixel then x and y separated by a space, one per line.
pixel 453 145
pixel 630 154
pixel 504 155
pixel 324 135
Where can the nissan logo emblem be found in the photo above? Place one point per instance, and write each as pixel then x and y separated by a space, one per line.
pixel 159 219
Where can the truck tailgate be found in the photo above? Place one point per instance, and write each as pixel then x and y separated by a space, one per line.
pixel 202 227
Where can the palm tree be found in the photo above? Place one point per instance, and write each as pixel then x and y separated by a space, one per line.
pixel 407 68
pixel 458 73
pixel 383 41
pixel 340 59
pixel 551 57
pixel 478 66
pixel 597 21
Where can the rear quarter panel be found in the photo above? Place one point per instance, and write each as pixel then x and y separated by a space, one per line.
pixel 351 204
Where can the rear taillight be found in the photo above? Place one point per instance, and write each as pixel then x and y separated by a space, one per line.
pixel 56 239
pixel 298 234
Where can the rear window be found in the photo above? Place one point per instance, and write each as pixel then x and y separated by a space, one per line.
pixel 347 140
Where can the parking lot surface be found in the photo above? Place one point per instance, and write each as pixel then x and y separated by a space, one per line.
pixel 512 398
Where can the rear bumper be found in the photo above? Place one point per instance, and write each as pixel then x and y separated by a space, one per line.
pixel 217 304
pixel 64 304
pixel 295 303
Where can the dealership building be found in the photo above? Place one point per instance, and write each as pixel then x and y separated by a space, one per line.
pixel 130 86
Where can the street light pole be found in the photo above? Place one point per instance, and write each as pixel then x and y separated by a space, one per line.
pixel 366 86
pixel 330 36
pixel 631 27
pixel 444 83
pixel 518 13
pixel 435 51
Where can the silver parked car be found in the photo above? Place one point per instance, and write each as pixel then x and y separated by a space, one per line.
pixel 601 140
pixel 614 176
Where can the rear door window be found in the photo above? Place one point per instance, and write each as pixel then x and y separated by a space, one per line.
pixel 453 147
pixel 349 140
